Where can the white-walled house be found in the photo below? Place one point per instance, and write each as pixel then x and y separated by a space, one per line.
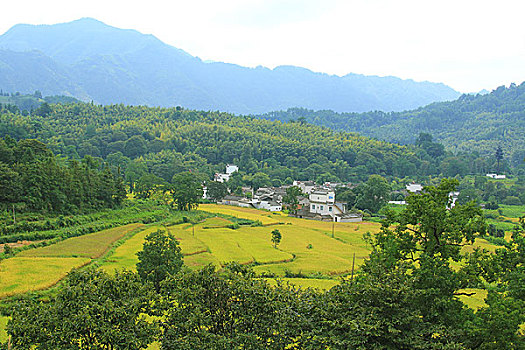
pixel 230 169
pixel 305 186
pixel 496 176
pixel 322 201
pixel 414 187
pixel 323 204
pixel 267 205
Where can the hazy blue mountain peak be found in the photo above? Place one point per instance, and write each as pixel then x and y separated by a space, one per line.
pixel 113 65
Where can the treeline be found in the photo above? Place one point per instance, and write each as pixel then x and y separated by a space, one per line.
pixel 165 141
pixel 471 124
pixel 32 178
pixel 406 295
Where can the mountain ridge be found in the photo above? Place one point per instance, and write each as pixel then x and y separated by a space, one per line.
pixel 112 65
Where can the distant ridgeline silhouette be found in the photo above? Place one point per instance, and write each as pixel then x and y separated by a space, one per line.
pixel 90 60
pixel 480 123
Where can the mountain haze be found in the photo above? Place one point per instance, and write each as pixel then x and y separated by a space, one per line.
pixel 90 60
pixel 478 123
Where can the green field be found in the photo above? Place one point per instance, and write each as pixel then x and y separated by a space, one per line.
pixel 124 256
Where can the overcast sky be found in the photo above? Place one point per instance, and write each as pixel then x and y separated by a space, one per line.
pixel 469 45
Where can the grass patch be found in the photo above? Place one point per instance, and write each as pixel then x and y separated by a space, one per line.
pixel 513 211
pixel 125 255
pixel 3 333
pixel 321 284
pixel 23 274
pixel 91 245
pixel 475 301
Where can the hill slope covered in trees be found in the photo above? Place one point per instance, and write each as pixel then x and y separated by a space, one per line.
pixel 167 141
pixel 471 123
pixel 93 61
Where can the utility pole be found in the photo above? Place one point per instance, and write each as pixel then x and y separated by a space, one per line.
pixel 193 228
pixel 333 226
pixel 353 264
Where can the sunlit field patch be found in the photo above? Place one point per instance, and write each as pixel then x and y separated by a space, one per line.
pixel 91 245
pixel 125 255
pixel 316 283
pixel 23 274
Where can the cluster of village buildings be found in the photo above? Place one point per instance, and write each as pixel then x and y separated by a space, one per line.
pixel 317 202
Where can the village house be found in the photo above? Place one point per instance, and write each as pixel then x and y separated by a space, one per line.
pixel 230 169
pixel 321 205
pixel 305 186
pixel 496 176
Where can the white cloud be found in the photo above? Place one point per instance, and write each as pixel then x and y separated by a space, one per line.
pixel 467 44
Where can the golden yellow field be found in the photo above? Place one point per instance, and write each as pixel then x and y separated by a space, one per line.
pixel 125 255
pixel 3 334
pixel 90 246
pixel 307 247
pixel 23 274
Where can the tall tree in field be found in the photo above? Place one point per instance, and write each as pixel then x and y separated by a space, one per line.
pixel 159 258
pixel 276 237
pixel 186 191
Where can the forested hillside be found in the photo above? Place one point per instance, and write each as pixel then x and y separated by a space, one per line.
pixel 28 102
pixel 471 123
pixel 90 60
pixel 166 141
pixel 33 178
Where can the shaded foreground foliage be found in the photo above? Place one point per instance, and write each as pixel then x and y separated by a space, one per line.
pixel 405 296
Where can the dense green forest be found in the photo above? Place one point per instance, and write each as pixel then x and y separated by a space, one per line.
pixel 471 123
pixel 32 179
pixel 26 103
pixel 138 140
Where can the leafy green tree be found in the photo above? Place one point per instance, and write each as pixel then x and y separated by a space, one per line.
pixel 147 184
pixel 346 195
pixel 159 258
pixel 10 185
pixel 499 155
pixel 216 190
pixel 91 310
pixel 276 237
pixel 259 180
pixel 291 198
pixel 373 194
pixel 135 146
pixel 186 190
pixel 497 325
pixel 405 295
pixel 229 309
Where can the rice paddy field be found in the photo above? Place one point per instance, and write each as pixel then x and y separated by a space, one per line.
pixel 43 267
pixel 307 247
pixel 3 323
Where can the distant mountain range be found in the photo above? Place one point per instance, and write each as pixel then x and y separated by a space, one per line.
pixel 90 60
pixel 472 123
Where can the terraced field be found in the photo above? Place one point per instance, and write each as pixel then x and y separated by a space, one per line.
pixel 43 267
pixel 307 247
